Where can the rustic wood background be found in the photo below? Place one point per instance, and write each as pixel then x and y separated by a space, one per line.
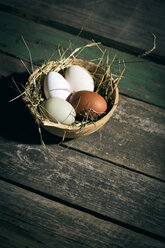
pixel 103 190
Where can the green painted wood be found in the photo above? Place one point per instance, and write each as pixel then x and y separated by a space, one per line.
pixel 123 24
pixel 134 200
pixel 10 65
pixel 134 137
pixel 117 194
pixel 144 81
pixel 31 220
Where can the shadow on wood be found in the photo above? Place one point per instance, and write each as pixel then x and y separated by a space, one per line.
pixel 17 124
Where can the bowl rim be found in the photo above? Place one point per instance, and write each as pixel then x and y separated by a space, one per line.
pixel 74 128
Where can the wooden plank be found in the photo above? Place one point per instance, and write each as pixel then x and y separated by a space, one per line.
pixel 10 65
pixel 144 80
pixel 134 137
pixel 30 220
pixel 117 23
pixel 95 185
pixel 140 184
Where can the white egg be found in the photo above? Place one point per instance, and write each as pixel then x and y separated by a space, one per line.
pixel 55 85
pixel 79 78
pixel 59 110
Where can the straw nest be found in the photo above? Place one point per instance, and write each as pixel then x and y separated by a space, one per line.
pixel 105 85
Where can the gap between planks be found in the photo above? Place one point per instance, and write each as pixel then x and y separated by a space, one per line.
pixel 85 210
pixel 43 42
pixel 37 65
pixel 111 162
pixel 83 182
pixel 62 24
pixel 17 66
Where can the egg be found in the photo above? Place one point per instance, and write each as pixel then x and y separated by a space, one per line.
pixel 55 85
pixel 59 110
pixel 79 78
pixel 87 103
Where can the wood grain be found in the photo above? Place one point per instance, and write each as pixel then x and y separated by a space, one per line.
pixel 134 137
pixel 144 80
pixel 90 183
pixel 30 220
pixel 10 66
pixel 104 190
pixel 120 24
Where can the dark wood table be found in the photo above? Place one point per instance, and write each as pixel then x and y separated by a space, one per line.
pixel 103 190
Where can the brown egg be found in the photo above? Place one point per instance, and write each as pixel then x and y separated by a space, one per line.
pixel 87 103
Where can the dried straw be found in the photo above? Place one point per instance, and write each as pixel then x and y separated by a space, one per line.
pixel 105 85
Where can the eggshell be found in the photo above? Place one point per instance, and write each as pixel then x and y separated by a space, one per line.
pixel 55 85
pixel 59 110
pixel 87 103
pixel 79 78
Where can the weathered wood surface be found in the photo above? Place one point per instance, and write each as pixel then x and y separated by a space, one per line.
pixel 10 66
pixel 88 182
pixel 122 24
pixel 28 219
pixel 134 137
pixel 103 190
pixel 143 80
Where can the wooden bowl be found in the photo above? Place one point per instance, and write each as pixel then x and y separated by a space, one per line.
pixel 34 89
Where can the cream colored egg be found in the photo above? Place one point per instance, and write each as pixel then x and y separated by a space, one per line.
pixel 55 85
pixel 59 110
pixel 79 78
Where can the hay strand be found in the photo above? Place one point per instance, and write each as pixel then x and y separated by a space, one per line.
pixel 105 85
